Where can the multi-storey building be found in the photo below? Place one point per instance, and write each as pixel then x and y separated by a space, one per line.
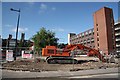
pixel 86 38
pixel 117 37
pixel 101 37
pixel 104 30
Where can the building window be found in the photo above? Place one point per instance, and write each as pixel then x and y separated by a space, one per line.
pixel 86 33
pixel 81 42
pixel 90 32
pixel 88 40
pixel 50 51
pixel 82 34
pixel 79 37
pixel 92 40
pixel 96 24
pixel 98 44
pixel 97 34
pixel 97 29
pixel 97 39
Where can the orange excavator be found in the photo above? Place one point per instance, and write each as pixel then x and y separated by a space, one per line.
pixel 55 55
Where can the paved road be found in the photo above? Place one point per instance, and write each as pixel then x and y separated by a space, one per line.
pixel 61 75
pixel 111 76
pixel 91 77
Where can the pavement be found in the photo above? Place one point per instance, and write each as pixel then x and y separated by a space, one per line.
pixel 108 75
pixel 65 74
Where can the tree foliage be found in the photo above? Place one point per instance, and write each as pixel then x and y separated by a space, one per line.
pixel 25 44
pixel 44 37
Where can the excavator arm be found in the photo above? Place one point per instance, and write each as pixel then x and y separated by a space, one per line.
pixel 91 51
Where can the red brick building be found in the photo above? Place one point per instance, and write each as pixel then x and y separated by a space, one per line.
pixel 104 30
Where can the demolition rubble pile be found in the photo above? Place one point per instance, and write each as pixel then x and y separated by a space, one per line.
pixel 38 65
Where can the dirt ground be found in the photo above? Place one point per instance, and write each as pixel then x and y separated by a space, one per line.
pixel 38 65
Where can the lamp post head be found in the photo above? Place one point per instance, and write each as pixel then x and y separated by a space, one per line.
pixel 11 9
pixel 14 10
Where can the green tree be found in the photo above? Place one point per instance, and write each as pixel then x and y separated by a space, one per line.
pixel 44 37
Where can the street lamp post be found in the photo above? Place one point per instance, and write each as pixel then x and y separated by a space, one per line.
pixel 16 31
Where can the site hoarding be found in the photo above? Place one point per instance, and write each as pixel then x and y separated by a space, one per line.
pixel 9 55
pixel 26 54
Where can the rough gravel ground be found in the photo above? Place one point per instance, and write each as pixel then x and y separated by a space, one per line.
pixel 38 65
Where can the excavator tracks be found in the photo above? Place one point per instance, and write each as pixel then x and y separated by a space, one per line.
pixel 61 60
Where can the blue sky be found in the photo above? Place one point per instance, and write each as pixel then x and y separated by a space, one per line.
pixel 60 17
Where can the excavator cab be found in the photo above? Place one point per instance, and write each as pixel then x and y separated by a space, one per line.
pixel 53 51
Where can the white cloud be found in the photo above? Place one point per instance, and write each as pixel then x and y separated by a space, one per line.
pixel 53 8
pixel 58 30
pixel 45 8
pixel 20 29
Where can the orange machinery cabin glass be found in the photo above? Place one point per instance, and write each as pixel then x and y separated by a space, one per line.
pixel 50 51
pixel 58 51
